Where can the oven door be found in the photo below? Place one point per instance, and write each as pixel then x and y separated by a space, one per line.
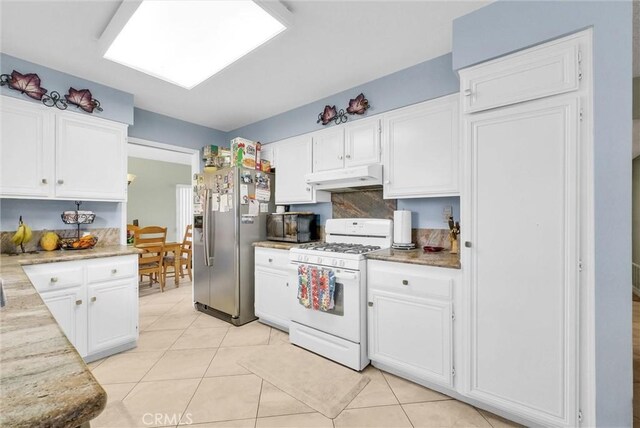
pixel 344 319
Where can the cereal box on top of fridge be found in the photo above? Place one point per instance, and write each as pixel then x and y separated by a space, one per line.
pixel 243 152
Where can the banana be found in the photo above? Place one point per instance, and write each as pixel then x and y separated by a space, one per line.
pixel 28 234
pixel 19 235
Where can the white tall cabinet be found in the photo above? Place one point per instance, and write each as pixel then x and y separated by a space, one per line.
pixel 521 212
pixel 46 153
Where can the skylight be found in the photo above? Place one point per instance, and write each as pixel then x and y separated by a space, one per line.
pixel 186 42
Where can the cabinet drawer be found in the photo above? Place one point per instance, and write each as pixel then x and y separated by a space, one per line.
pixel 419 281
pixel 272 258
pixel 112 268
pixel 535 73
pixel 54 276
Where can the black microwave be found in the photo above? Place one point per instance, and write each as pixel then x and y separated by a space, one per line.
pixel 292 227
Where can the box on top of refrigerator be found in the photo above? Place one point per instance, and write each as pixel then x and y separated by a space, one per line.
pixel 244 152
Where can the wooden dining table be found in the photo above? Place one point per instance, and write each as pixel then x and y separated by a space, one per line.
pixel 173 247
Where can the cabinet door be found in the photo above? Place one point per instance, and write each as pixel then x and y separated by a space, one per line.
pixel 523 177
pixel 362 142
pixel 294 162
pixel 328 149
pixel 411 334
pixel 421 150
pixel 113 314
pixel 90 158
pixel 26 149
pixel 69 308
pixel 272 296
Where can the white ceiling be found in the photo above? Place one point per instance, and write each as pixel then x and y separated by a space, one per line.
pixel 332 46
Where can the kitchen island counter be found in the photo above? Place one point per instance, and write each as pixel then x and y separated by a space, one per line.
pixel 43 381
pixel 418 257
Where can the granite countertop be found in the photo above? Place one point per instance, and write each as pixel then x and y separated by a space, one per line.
pixel 277 245
pixel 418 257
pixel 43 381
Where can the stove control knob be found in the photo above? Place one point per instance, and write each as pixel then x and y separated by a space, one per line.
pixel 319 260
pixel 334 262
pixel 341 263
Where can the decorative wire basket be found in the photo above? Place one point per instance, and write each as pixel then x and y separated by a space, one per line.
pixel 78 217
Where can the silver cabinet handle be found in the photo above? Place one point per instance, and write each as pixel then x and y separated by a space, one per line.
pixel 60 181
pixel 270 260
pixel 78 302
pixel 54 279
pixel 467 244
pixel 467 92
pixel 94 298
pixel 348 156
pixel 405 282
pixel 114 271
pixel 370 304
pixel 387 182
pixel 44 181
pixel 287 284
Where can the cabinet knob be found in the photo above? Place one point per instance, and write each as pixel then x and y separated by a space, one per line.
pixel 348 156
pixel 387 182
pixel 308 189
pixel 114 271
pixel 467 244
pixel 467 92
pixel 60 181
pixel 270 260
pixel 44 181
pixel 405 282
pixel 340 157
pixel 94 298
pixel 370 304
pixel 78 302
pixel 287 284
pixel 54 279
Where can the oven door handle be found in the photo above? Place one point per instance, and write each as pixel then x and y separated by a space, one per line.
pixel 347 275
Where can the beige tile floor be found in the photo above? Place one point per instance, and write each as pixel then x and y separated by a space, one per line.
pixel 184 371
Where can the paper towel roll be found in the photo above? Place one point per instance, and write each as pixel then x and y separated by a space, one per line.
pixel 402 227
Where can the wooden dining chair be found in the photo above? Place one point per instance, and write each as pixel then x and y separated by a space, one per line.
pixel 150 263
pixel 146 238
pixel 186 252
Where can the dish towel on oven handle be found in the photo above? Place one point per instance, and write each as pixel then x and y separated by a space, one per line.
pixel 316 288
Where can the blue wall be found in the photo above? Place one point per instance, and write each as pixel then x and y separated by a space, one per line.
pixel 117 105
pixel 421 82
pixel 43 214
pixel 164 129
pixel 506 26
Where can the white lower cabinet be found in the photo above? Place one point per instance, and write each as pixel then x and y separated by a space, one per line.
pixel 68 307
pixel 99 315
pixel 410 320
pixel 273 290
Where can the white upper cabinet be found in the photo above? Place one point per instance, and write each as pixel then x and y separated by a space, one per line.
pixel 47 153
pixel 26 149
pixel 421 149
pixel 362 142
pixel 328 149
pixel 550 69
pixel 91 159
pixel 295 160
pixel 352 144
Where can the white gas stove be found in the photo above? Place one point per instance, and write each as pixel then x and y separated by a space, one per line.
pixel 339 333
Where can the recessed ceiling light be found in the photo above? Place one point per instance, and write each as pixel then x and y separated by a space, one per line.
pixel 186 42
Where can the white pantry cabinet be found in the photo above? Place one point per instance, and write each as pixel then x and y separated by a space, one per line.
pixel 94 301
pixel 274 292
pixel 348 145
pixel 421 149
pixel 295 160
pixel 410 320
pixel 523 174
pixel 46 153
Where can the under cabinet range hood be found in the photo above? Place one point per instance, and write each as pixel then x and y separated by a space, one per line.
pixel 346 178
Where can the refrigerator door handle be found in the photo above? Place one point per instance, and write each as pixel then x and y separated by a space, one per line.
pixel 205 226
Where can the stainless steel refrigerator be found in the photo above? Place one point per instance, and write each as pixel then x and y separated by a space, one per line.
pixel 223 258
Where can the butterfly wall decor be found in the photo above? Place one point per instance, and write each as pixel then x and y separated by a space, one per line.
pixel 29 84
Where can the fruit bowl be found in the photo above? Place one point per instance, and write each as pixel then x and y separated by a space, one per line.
pixel 84 243
pixel 430 249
